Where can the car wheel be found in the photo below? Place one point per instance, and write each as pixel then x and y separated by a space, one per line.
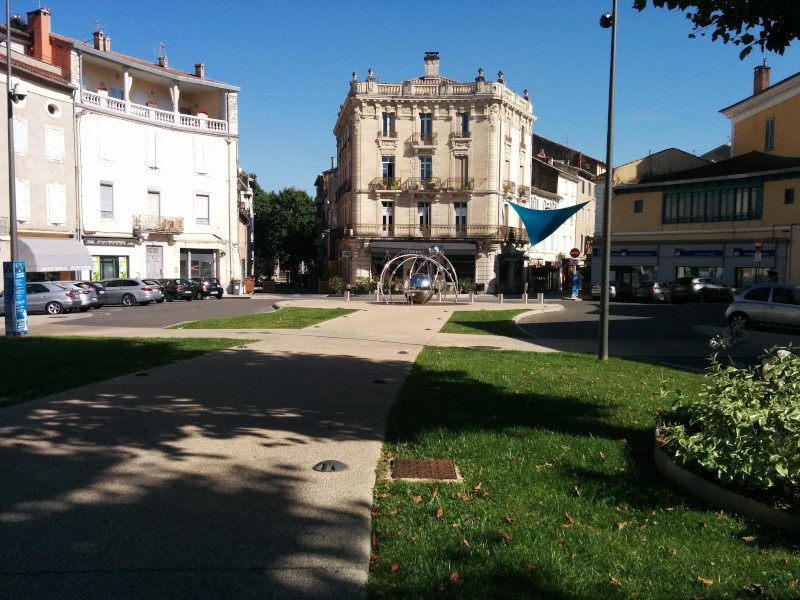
pixel 739 320
pixel 169 298
pixel 159 301
pixel 83 308
pixel 128 300
pixel 190 298
pixel 198 296
pixel 54 308
pixel 661 298
pixel 701 297
pixel 219 296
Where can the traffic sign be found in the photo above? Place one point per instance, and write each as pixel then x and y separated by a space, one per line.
pixel 757 245
pixel 574 253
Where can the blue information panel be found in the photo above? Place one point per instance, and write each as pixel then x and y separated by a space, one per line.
pixel 15 299
pixel 576 280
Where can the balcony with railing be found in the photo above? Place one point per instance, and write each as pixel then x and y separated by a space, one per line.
pixel 153 224
pixel 392 184
pixel 460 135
pixel 424 140
pixel 417 184
pixel 439 232
pixel 147 112
pixel 524 193
pixel 460 184
pixel 509 187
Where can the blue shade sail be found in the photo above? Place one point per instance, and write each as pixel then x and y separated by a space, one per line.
pixel 540 224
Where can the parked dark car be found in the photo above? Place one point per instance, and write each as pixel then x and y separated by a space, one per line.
pixel 207 286
pixel 657 291
pixel 701 289
pixel 766 305
pixel 179 289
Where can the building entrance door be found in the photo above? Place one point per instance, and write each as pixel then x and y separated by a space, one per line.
pixel 155 262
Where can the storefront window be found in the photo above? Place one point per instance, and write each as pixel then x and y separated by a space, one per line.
pixel 747 276
pixel 197 264
pixel 699 272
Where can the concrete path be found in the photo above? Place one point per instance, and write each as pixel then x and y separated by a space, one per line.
pixel 195 480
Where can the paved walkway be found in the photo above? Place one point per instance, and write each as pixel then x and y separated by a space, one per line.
pixel 195 480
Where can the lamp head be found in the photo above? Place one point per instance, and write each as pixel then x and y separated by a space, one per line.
pixel 607 20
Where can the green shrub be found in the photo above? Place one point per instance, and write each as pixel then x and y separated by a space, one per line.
pixel 744 425
pixel 335 284
pixel 365 285
pixel 466 285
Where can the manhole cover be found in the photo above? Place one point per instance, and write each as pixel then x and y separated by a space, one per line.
pixel 425 468
pixel 330 466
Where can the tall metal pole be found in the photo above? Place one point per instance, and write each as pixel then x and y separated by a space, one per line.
pixel 12 190
pixel 608 20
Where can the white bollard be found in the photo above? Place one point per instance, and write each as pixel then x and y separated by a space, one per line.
pixel 540 298
pixel 499 298
pixel 524 298
pixel 472 297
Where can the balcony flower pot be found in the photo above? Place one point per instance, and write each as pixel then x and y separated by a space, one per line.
pixel 102 91
pixel 202 114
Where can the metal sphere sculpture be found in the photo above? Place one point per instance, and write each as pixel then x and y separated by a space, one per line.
pixel 422 276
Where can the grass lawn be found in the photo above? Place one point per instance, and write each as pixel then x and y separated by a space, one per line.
pixel 560 498
pixel 485 322
pixel 37 366
pixel 291 317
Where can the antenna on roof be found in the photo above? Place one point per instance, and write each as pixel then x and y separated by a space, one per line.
pixel 161 49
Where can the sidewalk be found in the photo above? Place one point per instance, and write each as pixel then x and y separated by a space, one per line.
pixel 196 481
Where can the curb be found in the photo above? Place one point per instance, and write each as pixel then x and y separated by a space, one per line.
pixel 714 495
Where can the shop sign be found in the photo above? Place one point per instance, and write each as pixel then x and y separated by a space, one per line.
pixel 109 242
pixel 748 252
pixel 698 253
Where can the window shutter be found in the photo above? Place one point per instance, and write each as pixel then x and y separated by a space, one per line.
pixel 20 136
pixel 106 200
pixel 23 193
pixel 54 144
pixel 57 203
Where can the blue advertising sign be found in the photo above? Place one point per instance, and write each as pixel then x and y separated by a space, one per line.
pixel 15 299
pixel 576 279
pixel 751 252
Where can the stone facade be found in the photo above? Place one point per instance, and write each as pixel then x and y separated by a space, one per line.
pixel 432 161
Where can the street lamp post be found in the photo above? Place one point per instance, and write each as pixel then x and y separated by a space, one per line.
pixel 606 21
pixel 12 195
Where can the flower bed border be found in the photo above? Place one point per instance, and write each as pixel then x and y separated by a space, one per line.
pixel 712 494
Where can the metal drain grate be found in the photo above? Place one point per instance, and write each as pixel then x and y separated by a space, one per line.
pixel 425 468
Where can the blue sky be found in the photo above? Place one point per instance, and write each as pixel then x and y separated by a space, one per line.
pixel 294 59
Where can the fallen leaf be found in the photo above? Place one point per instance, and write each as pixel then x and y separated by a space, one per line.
pixel 603 456
pixel 439 513
pixel 454 577
pixel 435 491
pixel 793 583
pixel 621 526
pixel 394 512
pixel 561 543
pixel 577 491
pixel 702 525
pixel 749 539
pixel 505 536
pixel 456 524
pixel 384 495
pixel 464 543
pixel 705 581
pixel 674 552
pixel 510 520
pixel 786 561
pixel 485 493
pixel 570 519
pixel 755 588
pixel 394 568
pixel 416 499
pixel 376 511
pixel 614 581
pixel 528 567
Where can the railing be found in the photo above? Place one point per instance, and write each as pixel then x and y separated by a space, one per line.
pixel 463 184
pixel 460 134
pixel 417 184
pixel 383 135
pixel 407 89
pixel 385 183
pixel 4 227
pixel 524 192
pixel 509 187
pixel 493 232
pixel 150 113
pixel 424 139
pixel 162 224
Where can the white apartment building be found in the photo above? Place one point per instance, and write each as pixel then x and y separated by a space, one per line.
pixel 432 160
pixel 155 151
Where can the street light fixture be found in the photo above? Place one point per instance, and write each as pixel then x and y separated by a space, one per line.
pixel 606 21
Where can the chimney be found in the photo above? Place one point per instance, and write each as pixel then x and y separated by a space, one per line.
pixel 431 65
pixel 39 26
pixel 101 42
pixel 200 70
pixel 162 60
pixel 761 78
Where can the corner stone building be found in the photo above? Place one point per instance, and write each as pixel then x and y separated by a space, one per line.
pixel 432 161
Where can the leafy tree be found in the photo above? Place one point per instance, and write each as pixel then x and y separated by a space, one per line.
pixel 284 229
pixel 776 23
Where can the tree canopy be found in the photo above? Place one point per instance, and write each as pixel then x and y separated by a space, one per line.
pixel 283 229
pixel 768 24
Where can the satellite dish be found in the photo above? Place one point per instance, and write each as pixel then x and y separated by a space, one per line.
pixel 18 22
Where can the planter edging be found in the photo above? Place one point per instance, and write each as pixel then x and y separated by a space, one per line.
pixel 714 495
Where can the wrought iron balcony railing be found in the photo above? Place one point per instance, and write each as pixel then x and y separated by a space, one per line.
pixel 417 184
pixel 463 184
pixel 385 183
pixel 424 140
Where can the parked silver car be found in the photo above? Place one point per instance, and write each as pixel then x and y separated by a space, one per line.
pixel 766 305
pixel 86 293
pixel 617 290
pixel 51 297
pixel 657 291
pixel 129 291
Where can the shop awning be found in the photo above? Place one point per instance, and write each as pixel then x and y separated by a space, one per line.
pixel 448 248
pixel 43 254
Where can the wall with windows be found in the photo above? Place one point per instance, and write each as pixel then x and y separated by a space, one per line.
pixel 750 132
